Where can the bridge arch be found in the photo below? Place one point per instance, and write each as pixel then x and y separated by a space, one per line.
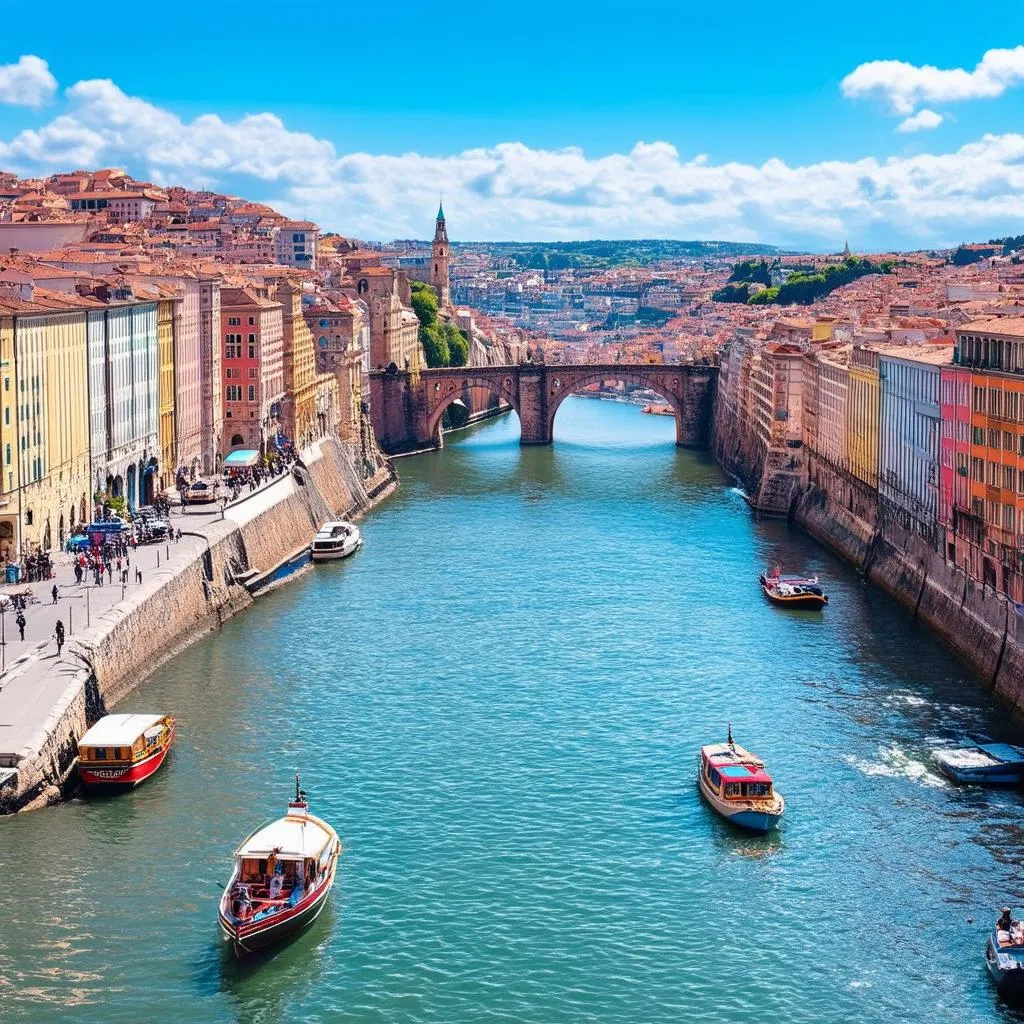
pixel 661 380
pixel 443 391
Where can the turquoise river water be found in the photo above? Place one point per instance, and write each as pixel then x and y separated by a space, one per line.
pixel 499 704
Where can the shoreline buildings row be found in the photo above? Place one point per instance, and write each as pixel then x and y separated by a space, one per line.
pixel 928 434
pixel 145 333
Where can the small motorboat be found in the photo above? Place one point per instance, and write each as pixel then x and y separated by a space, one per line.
pixel 1004 956
pixel 335 540
pixel 120 751
pixel 987 764
pixel 283 874
pixel 793 591
pixel 735 783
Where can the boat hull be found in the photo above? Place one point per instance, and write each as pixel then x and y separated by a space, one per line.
pixel 814 602
pixel 334 556
pixel 1009 981
pixel 742 814
pixel 1008 776
pixel 118 779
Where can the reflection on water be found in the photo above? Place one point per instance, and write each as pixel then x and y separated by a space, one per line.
pixel 499 704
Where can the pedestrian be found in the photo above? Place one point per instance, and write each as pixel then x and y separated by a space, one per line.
pixel 54 593
pixel 58 635
pixel 124 576
pixel 127 562
pixel 78 574
pixel 20 622
pixel 138 575
pixel 110 572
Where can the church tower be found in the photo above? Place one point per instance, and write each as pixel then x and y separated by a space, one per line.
pixel 439 260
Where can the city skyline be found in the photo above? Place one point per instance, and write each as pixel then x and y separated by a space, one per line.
pixel 910 143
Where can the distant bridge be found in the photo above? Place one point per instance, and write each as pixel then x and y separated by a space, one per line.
pixel 406 409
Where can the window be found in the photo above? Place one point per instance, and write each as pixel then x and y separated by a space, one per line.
pixel 1009 478
pixel 252 392
pixel 979 399
pixel 8 453
pixel 234 321
pixel 1008 517
pixel 253 372
pixel 992 477
pixel 1011 403
pixel 233 392
pixel 978 470
pixel 233 346
pixel 28 517
pixel 978 435
pixel 252 346
pixel 993 438
pixel 1008 441
pixel 252 321
pixel 995 402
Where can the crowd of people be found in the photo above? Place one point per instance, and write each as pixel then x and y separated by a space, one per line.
pixel 275 464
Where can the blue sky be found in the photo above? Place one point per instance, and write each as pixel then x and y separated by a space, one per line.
pixel 528 119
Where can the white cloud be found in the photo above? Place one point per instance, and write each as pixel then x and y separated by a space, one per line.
pixel 923 120
pixel 512 191
pixel 905 85
pixel 28 83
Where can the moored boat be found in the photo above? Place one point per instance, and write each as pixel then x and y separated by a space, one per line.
pixel 282 876
pixel 987 764
pixel 335 540
pixel 793 591
pixel 1004 956
pixel 734 782
pixel 120 751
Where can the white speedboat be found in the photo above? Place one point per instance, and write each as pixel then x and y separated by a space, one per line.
pixel 335 540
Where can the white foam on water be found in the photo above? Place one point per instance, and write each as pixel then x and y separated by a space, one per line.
pixel 895 763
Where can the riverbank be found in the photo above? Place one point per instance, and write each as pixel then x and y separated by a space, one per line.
pixel 978 623
pixel 218 569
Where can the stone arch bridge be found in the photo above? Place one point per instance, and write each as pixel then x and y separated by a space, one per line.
pixel 406 408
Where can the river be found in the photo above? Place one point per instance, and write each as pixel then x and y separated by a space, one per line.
pixel 499 704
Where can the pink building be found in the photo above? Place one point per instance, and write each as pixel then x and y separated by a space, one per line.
pixel 252 364
pixel 954 442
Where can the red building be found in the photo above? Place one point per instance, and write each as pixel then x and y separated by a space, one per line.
pixel 252 368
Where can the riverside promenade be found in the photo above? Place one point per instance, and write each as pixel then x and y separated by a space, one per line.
pixel 116 634
pixel 34 678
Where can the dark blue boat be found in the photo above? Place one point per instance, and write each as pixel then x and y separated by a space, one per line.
pixel 1004 957
pixel 987 764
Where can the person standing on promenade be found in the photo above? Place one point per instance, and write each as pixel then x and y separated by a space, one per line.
pixel 58 635
pixel 54 592
pixel 110 572
pixel 20 622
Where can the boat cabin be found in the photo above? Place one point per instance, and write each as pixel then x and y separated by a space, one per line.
pixel 735 774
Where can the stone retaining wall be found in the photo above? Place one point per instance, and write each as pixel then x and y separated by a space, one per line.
pixel 179 603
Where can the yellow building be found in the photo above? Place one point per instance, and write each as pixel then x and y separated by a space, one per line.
pixel 310 405
pixel 165 356
pixel 52 429
pixel 862 415
pixel 8 442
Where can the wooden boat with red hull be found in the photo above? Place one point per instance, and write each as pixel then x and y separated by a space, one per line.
pixel 793 591
pixel 120 751
pixel 283 875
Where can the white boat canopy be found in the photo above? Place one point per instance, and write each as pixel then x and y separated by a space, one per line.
pixel 288 839
pixel 119 730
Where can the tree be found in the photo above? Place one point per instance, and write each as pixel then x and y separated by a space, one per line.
pixel 458 346
pixel 424 302
pixel 435 345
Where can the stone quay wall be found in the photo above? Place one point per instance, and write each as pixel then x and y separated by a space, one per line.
pixel 180 602
pixel 979 624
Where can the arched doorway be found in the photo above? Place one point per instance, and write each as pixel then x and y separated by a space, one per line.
pixel 60 530
pixel 47 536
pixel 83 510
pixel 237 441
pixel 130 487
pixel 117 487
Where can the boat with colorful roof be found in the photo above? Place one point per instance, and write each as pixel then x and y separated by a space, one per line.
pixel 1004 956
pixel 792 591
pixel 122 750
pixel 283 874
pixel 734 782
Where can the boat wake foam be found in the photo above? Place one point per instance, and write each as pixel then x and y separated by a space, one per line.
pixel 895 763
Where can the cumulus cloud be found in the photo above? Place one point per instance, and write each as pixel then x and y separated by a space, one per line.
pixel 28 83
pixel 923 120
pixel 905 85
pixel 514 191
